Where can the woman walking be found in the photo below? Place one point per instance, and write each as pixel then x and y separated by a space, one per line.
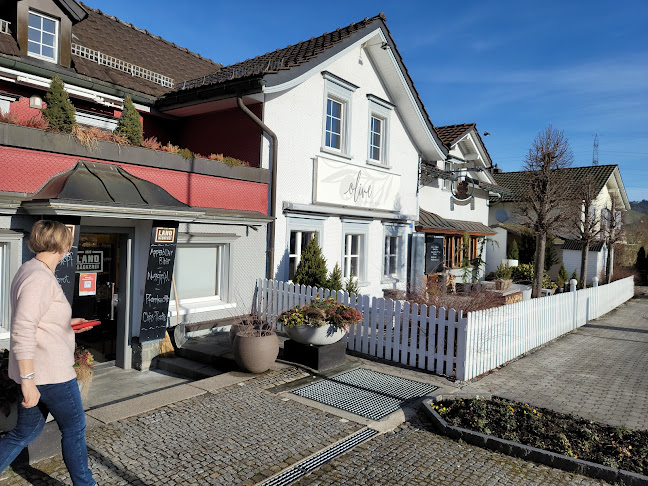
pixel 41 358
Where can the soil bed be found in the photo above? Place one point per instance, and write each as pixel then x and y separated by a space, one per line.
pixel 617 447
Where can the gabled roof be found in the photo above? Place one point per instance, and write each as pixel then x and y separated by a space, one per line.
pixel 283 65
pixel 517 181
pixel 280 59
pixel 449 134
pixel 125 42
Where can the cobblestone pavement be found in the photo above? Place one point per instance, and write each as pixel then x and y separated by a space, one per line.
pixel 238 435
pixel 599 371
pixel 413 456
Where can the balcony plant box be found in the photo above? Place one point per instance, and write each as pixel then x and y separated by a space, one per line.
pixel 319 323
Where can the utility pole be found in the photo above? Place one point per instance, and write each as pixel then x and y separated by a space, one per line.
pixel 595 153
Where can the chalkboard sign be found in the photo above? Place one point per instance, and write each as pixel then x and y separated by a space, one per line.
pixel 157 288
pixel 433 254
pixel 66 269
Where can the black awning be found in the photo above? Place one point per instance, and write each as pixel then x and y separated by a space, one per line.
pixel 98 183
pixel 433 223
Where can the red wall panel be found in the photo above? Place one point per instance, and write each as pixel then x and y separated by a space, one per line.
pixel 28 170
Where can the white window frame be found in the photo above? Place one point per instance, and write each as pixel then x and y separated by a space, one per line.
pixel 399 232
pixel 11 243
pixel 381 110
pixel 5 102
pixel 104 122
pixel 303 225
pixel 56 37
pixel 361 229
pixel 341 91
pixel 215 302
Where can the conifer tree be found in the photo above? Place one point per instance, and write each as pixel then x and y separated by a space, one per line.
pixel 335 278
pixel 562 275
pixel 575 277
pixel 312 266
pixel 514 253
pixel 59 111
pixel 129 124
pixel 642 265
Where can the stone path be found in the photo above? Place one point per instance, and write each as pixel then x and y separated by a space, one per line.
pixel 413 456
pixel 599 371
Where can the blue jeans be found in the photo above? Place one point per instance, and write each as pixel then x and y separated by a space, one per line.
pixel 63 401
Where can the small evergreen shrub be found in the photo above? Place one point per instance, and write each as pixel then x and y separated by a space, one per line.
pixel 575 275
pixel 129 124
pixel 59 111
pixel 523 273
pixel 312 266
pixel 514 253
pixel 352 286
pixel 563 276
pixel 503 272
pixel 335 278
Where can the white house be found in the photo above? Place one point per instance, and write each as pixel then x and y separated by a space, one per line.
pixel 506 220
pixel 455 199
pixel 346 129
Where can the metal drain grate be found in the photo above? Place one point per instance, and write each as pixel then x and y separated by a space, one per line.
pixel 367 393
pixel 309 465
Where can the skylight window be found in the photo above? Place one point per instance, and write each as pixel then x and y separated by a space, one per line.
pixel 43 37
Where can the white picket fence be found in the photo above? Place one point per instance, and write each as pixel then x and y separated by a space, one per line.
pixel 444 340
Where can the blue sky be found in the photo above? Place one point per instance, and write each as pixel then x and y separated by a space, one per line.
pixel 511 67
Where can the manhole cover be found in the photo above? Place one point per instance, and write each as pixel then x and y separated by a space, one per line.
pixel 367 393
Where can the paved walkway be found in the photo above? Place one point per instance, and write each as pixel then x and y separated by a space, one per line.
pixel 237 428
pixel 599 371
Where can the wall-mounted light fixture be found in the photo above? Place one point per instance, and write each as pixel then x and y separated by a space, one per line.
pixel 36 102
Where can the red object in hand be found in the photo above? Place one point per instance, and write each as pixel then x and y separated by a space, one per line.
pixel 85 324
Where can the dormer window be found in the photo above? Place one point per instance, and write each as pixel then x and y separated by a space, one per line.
pixel 43 37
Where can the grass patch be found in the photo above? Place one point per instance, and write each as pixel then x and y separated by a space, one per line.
pixel 617 447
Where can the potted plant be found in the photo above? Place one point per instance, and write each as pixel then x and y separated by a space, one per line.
pixel 321 322
pixel 256 345
pixel 503 276
pixel 84 367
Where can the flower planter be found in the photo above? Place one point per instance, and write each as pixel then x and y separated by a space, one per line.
pixel 256 353
pixel 317 336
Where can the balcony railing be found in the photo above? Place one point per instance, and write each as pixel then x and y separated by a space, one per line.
pixel 120 65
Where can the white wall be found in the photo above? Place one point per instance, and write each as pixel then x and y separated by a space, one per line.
pixel 595 263
pixel 297 117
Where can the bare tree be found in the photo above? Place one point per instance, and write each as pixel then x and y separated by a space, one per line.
pixel 612 222
pixel 544 202
pixel 589 226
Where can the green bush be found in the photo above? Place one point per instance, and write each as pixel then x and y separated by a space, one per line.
pixel 312 266
pixel 503 272
pixel 575 277
pixel 334 281
pixel 186 153
pixel 129 124
pixel 563 276
pixel 59 111
pixel 514 253
pixel 352 286
pixel 523 273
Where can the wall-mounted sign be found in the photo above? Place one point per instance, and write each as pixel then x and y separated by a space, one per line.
pixel 89 261
pixel 164 235
pixel 433 254
pixel 87 284
pixel 351 185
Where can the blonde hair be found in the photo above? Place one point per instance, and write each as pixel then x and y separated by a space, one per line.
pixel 51 236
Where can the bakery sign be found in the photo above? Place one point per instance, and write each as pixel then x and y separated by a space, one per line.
pixel 357 186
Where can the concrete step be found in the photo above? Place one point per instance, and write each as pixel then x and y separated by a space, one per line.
pixel 186 367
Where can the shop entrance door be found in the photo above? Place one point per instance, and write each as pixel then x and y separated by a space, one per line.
pixel 96 291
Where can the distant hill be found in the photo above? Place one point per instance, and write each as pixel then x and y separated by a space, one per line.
pixel 640 206
pixel 635 217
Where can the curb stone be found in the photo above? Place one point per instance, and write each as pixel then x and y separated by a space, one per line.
pixel 528 453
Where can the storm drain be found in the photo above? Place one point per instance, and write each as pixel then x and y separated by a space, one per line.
pixel 309 465
pixel 367 393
